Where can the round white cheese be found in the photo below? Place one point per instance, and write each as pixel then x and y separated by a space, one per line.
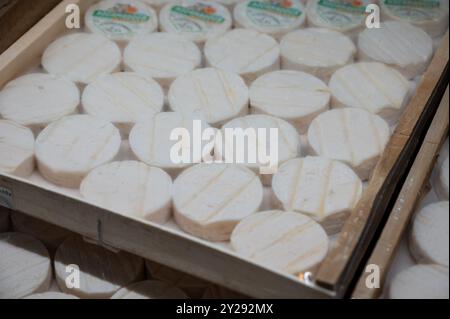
pixel 68 149
pixel 121 20
pixel 211 199
pixel 51 296
pixel 50 235
pixel 441 184
pixel 431 16
pixel 323 189
pixel 272 17
pixel 345 16
pixel 150 289
pixel 286 241
pixel 217 95
pixel 162 56
pixel 193 286
pixel 82 57
pixel 397 44
pixel 151 141
pixel 36 100
pixel 101 272
pixel 372 86
pixel 420 282
pixel 16 149
pixel 130 188
pixel 196 20
pixel 245 52
pixel 123 99
pixel 309 51
pixel 25 266
pixel 429 234
pixel 4 220
pixel 353 136
pixel 287 144
pixel 296 97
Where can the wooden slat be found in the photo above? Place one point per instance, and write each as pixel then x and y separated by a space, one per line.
pixel 335 272
pixel 413 189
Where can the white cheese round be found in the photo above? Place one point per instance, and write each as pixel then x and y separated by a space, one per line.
pixel 353 136
pixel 309 51
pixel 196 20
pixel 25 266
pixel 68 149
pixel 286 241
pixel 420 282
pixel 130 188
pixel 211 199
pixel 101 272
pixel 82 57
pixel 121 20
pixel 16 149
pixel 51 296
pixel 272 17
pixel 397 44
pixel 372 86
pixel 296 97
pixel 4 219
pixel 345 16
pixel 429 234
pixel 50 235
pixel 217 95
pixel 36 100
pixel 162 56
pixel 151 141
pixel 123 99
pixel 287 144
pixel 441 184
pixel 150 289
pixel 431 16
pixel 245 52
pixel 323 189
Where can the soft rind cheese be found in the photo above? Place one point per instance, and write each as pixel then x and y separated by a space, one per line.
pixel 82 57
pixel 285 241
pixel 431 16
pixel 196 20
pixel 51 296
pixel 25 266
pixel 420 282
pixel 399 45
pixel 429 234
pixel 372 86
pixel 151 141
pixel 323 189
pixel 162 56
pixel 344 16
pixel 211 199
pixel 353 136
pixel 245 52
pixel 150 289
pixel 68 149
pixel 123 99
pixel 36 100
pixel 272 17
pixel 121 20
pixel 287 144
pixel 441 185
pixel 16 149
pixel 216 95
pixel 296 97
pixel 130 188
pixel 102 272
pixel 308 50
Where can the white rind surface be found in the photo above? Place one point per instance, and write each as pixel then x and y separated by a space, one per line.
pixel 286 241
pixel 150 289
pixel 68 149
pixel 211 199
pixel 442 184
pixel 130 188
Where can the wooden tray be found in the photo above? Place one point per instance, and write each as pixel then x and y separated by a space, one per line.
pixel 214 262
pixel 414 188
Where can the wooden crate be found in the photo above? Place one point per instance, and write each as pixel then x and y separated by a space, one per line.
pixel 413 190
pixel 213 262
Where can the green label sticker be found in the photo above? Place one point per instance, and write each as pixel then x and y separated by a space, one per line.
pixel 414 3
pixel 129 17
pixel 275 7
pixel 415 10
pixel 204 13
pixel 347 6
